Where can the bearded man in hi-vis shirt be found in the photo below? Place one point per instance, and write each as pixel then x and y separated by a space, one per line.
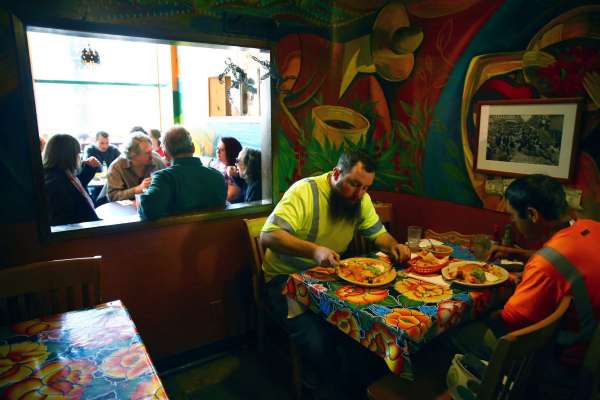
pixel 312 225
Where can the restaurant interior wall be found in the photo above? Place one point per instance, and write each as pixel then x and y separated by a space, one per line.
pixel 414 127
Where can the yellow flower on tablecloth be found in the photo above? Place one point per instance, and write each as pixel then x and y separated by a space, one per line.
pixel 361 295
pixel 149 390
pixel 56 379
pixel 126 363
pixel 414 322
pixel 380 341
pixel 19 360
pixel 35 326
pixel 422 291
pixel 345 322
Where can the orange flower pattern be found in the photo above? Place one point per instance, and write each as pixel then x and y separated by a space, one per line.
pixel 49 325
pixel 360 295
pixel 150 390
pixel 129 362
pixel 77 355
pixel 414 322
pixel 380 341
pixel 56 379
pixel 345 322
pixel 19 360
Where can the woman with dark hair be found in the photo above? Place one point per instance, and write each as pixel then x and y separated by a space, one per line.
pixel 228 150
pixel 65 179
pixel 156 142
pixel 249 169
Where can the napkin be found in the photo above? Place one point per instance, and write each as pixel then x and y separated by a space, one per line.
pixel 435 279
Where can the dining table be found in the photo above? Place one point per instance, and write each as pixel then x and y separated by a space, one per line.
pixel 396 320
pixel 94 353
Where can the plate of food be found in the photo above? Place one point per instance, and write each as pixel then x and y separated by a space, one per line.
pixel 426 263
pixel 369 272
pixel 474 273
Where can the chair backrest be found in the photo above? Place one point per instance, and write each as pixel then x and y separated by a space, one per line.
pixel 48 287
pixel 254 227
pixel 360 245
pixel 589 384
pixel 514 355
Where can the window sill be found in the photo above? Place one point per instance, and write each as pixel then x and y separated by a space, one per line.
pixel 132 223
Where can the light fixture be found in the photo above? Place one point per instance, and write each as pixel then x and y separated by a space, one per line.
pixel 89 56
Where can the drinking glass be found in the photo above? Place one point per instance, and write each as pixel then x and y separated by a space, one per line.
pixel 413 235
pixel 482 247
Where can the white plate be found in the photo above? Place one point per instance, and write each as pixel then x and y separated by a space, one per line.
pixel 500 276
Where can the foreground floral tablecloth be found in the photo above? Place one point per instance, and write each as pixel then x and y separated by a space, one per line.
pixel 88 354
pixel 396 320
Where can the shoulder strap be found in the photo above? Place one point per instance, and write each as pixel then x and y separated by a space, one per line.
pixel 581 297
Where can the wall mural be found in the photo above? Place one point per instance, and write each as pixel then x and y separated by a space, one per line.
pixel 398 78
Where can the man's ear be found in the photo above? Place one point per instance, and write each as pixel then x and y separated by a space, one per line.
pixel 533 215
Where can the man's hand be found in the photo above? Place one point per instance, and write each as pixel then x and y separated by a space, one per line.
pixel 143 186
pixel 92 162
pixel 326 257
pixel 399 252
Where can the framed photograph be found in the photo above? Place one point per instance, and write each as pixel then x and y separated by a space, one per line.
pixel 523 137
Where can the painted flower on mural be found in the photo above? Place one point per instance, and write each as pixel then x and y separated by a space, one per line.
pixel 481 302
pixel 35 326
pixel 56 379
pixel 361 295
pixel 380 341
pixel 559 72
pixel 149 390
pixel 321 273
pixel 113 328
pixel 19 360
pixel 345 322
pixel 413 322
pixel 449 314
pixel 126 363
pixel 426 292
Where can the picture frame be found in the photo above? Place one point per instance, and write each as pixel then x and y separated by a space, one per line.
pixel 530 136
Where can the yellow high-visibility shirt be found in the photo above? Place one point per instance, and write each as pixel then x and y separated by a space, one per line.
pixel 304 212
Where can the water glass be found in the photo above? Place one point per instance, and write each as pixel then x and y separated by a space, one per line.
pixel 482 247
pixel 413 235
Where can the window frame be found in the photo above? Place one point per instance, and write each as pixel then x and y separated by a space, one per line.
pixel 154 34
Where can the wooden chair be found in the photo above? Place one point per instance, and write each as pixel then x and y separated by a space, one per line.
pixel 263 310
pixel 505 376
pixel 360 245
pixel 48 287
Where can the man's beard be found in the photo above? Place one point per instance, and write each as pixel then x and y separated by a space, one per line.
pixel 341 208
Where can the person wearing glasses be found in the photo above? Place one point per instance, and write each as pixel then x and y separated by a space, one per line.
pixel 249 169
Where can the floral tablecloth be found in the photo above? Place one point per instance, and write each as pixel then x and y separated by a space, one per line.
pixel 396 320
pixel 88 354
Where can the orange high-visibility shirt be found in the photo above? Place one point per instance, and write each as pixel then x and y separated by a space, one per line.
pixel 543 286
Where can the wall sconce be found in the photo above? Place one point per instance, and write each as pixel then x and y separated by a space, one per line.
pixel 89 56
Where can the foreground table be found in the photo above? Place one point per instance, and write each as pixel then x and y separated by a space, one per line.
pixel 396 320
pixel 89 354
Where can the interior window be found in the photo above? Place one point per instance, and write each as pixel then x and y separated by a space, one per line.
pixel 84 83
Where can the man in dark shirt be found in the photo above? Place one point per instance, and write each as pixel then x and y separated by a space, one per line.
pixel 104 152
pixel 186 185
